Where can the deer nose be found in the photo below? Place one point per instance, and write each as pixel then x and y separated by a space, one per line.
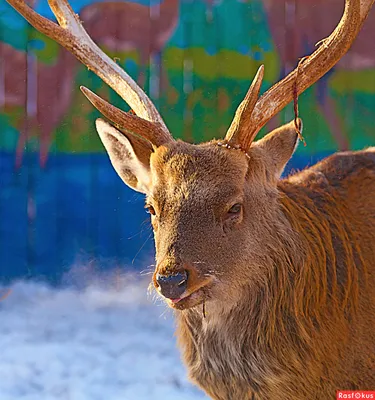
pixel 172 286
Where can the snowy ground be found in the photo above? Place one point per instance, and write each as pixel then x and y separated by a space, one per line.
pixel 106 341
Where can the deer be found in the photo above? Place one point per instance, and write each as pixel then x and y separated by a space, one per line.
pixel 271 279
pixel 308 24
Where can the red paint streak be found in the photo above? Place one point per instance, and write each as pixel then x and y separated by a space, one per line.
pixel 116 26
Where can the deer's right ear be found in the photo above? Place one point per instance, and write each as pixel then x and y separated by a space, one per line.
pixel 279 146
pixel 129 155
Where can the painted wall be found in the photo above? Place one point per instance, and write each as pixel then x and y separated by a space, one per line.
pixel 61 202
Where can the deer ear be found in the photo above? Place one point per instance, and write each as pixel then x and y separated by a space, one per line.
pixel 279 146
pixel 129 155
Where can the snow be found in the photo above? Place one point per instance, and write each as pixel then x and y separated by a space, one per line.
pixel 108 340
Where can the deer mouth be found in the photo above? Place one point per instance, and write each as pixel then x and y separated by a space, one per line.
pixel 190 299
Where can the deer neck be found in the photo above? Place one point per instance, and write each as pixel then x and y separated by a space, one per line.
pixel 294 309
pixel 216 345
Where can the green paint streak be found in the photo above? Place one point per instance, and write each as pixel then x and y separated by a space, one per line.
pixel 44 48
pixel 14 38
pixel 225 64
pixel 354 81
pixel 9 135
pixel 224 57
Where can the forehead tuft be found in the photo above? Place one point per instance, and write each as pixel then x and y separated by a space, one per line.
pixel 186 160
pixel 189 167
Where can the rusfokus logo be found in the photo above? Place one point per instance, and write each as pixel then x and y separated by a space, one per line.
pixel 355 394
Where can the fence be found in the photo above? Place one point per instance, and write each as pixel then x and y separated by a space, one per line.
pixel 61 202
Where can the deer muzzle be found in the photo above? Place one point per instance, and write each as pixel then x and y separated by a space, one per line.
pixel 182 284
pixel 172 286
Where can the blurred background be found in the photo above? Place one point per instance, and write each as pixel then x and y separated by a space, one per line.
pixel 60 201
pixel 65 216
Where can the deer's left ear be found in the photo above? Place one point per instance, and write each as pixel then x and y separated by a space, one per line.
pixel 279 146
pixel 129 154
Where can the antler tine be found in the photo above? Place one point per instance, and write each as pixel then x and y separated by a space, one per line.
pixel 74 38
pixel 315 66
pixel 240 133
pixel 135 125
pixel 310 70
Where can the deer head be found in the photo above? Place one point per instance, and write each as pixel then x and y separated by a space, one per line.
pixel 214 206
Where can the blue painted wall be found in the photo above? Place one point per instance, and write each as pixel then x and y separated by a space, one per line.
pixel 61 202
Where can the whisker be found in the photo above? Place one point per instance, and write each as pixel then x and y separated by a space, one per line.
pixel 144 272
pixel 143 245
pixel 163 314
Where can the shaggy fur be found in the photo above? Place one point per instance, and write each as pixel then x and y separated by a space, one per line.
pixel 308 329
pixel 280 302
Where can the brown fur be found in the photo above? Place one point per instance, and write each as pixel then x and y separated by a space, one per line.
pixel 308 330
pixel 282 294
pixel 281 298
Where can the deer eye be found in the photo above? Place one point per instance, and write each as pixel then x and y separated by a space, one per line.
pixel 150 209
pixel 235 209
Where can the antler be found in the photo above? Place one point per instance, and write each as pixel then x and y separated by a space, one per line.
pixel 242 119
pixel 139 126
pixel 253 114
pixel 71 34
